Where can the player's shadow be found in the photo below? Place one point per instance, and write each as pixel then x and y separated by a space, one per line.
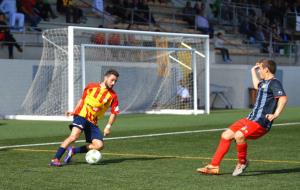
pixel 266 172
pixel 120 160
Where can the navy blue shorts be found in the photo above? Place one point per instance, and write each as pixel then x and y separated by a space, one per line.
pixel 91 131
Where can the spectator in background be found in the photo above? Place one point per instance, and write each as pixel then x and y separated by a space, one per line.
pixel 60 6
pixel 248 27
pixel 183 93
pixel 203 25
pixel 98 7
pixel 9 8
pixel 143 5
pixel 73 11
pixel 44 10
pixel 120 9
pixel 189 13
pixel 285 37
pixel 261 38
pixel 260 35
pixel 27 7
pixel 276 39
pixel 226 11
pixel 215 7
pixel 138 16
pixel 219 45
pixel 7 38
pixel 199 7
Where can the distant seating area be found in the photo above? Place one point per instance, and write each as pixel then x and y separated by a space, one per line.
pixel 154 15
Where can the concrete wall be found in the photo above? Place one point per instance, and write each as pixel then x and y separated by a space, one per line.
pixel 237 79
pixel 16 77
pixel 15 80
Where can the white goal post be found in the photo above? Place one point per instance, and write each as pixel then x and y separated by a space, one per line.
pixel 160 73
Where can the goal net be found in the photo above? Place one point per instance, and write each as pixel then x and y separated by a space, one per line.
pixel 159 72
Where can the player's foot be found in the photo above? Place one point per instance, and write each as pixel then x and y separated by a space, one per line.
pixel 55 162
pixel 240 168
pixel 69 154
pixel 209 169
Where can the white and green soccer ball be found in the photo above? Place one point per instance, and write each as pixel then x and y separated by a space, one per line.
pixel 93 156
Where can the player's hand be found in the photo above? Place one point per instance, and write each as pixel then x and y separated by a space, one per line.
pixel 106 131
pixel 69 113
pixel 271 117
pixel 256 66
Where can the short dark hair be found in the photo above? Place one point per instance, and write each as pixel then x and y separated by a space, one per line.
pixel 270 64
pixel 219 34
pixel 112 72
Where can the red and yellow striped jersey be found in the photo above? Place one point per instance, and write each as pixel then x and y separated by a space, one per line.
pixel 95 101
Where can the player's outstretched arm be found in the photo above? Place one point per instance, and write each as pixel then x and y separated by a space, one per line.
pixel 69 113
pixel 282 100
pixel 111 120
pixel 255 79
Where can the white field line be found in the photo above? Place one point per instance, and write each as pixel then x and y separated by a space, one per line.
pixel 137 136
pixel 116 138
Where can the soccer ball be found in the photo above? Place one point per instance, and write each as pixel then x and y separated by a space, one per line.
pixel 93 156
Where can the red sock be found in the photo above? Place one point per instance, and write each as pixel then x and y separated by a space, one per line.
pixel 222 149
pixel 242 153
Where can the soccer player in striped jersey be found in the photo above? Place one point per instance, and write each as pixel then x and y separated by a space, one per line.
pixel 270 101
pixel 96 99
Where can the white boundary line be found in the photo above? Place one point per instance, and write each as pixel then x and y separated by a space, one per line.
pixel 138 136
pixel 116 138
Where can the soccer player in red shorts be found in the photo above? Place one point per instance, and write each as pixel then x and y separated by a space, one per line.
pixel 270 101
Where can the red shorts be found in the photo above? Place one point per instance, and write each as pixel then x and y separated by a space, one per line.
pixel 250 129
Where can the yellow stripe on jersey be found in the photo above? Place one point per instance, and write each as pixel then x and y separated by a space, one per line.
pixel 95 104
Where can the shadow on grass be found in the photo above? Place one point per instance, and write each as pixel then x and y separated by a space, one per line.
pixel 3 124
pixel 265 172
pixel 120 160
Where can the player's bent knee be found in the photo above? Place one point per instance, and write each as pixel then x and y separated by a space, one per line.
pixel 228 135
pixel 239 136
pixel 98 145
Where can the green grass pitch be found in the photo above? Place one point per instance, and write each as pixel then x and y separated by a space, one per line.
pixel 158 162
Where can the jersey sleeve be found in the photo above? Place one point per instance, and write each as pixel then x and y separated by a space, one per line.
pixel 277 89
pixel 115 105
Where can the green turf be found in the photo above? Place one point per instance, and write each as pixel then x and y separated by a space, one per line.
pixel 162 162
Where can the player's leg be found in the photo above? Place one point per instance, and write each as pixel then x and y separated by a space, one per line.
pixel 251 130
pixel 96 138
pixel 71 151
pixel 96 144
pixel 93 137
pixel 75 133
pixel 241 147
pixel 222 149
pixel 76 129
